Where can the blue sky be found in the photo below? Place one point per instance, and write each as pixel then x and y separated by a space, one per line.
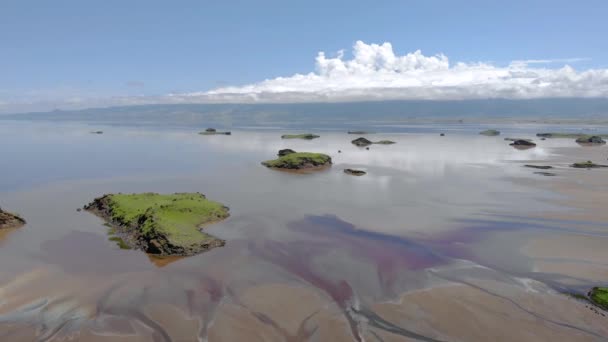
pixel 52 50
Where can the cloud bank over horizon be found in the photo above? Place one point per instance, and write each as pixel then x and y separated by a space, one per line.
pixel 375 72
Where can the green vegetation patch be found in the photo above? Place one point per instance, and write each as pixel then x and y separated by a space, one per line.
pixel 306 136
pixel 299 160
pixel 119 242
pixel 599 297
pixel 167 224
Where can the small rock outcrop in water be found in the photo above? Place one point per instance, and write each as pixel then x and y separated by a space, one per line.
pixel 285 152
pixel 544 173
pixel 587 165
pixel 213 131
pixel 307 136
pixel 354 172
pixel 541 167
pixel 9 220
pixel 299 161
pixel 161 224
pixel 490 132
pixel 522 143
pixel 591 140
pixel 442 134
pixel 96 132
pixel 362 142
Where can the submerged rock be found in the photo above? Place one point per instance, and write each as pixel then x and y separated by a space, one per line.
pixel 359 132
pixel 161 224
pixel 542 167
pixel 515 139
pixel 591 140
pixel 544 173
pixel 10 220
pixel 490 132
pixel 285 152
pixel 442 134
pixel 213 131
pixel 96 132
pixel 354 172
pixel 385 142
pixel 587 165
pixel 299 161
pixel 307 136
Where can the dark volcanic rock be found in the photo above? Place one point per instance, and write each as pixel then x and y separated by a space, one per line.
pixel 8 220
pixel 354 172
pixel 361 142
pixel 285 152
pixel 522 142
pixel 541 167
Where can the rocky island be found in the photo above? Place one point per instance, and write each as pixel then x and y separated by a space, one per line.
pixel 299 161
pixel 161 224
pixel 587 165
pixel 213 131
pixel 362 142
pixel 522 144
pixel 306 136
pixel 9 220
pixel 490 132
pixel 591 140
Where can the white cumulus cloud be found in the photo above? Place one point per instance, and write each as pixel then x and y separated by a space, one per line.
pixel 375 72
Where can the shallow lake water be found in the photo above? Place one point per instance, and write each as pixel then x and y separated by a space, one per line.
pixel 431 210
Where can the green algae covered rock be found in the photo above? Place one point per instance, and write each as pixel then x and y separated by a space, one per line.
pixel 162 224
pixel 299 161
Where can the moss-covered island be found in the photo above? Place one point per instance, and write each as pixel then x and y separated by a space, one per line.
pixel 591 140
pixel 362 142
pixel 587 165
pixel 161 224
pixel 10 220
pixel 299 161
pixel 306 136
pixel 213 131
pixel 599 297
pixel 490 132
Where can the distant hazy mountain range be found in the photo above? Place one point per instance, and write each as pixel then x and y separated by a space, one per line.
pixel 575 110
